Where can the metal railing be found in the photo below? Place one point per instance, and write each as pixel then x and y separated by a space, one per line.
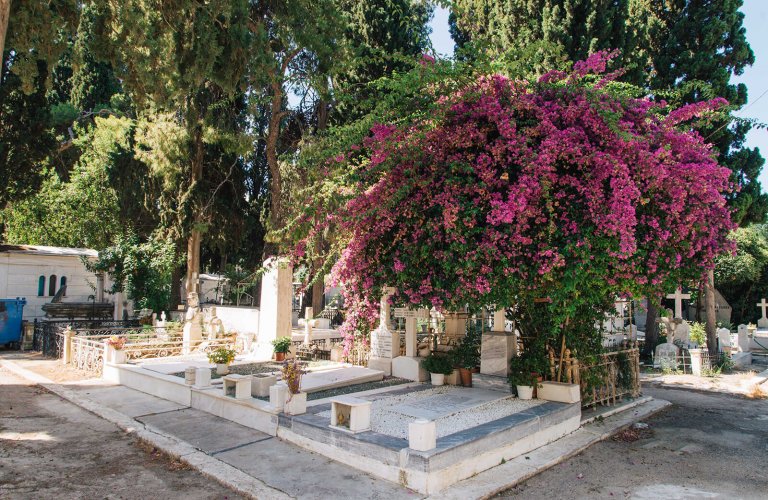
pixel 47 339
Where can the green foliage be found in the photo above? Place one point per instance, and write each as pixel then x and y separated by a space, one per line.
pixel 527 368
pixel 282 344
pixel 221 356
pixel 467 353
pixel 142 270
pixel 698 333
pixel 742 278
pixel 438 364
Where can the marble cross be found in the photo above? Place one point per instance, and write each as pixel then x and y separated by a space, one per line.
pixel 678 296
pixel 762 305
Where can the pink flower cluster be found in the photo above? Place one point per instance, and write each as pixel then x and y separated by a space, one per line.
pixel 523 187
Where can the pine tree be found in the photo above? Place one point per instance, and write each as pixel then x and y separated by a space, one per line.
pixel 93 81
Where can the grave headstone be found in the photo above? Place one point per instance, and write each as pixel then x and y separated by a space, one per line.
pixel 497 347
pixel 381 338
pixel 724 339
pixel 308 313
pixel 763 321
pixel 409 366
pixel 665 356
pixel 683 333
pixel 742 338
pixel 641 314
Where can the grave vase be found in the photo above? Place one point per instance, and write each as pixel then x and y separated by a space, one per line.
pixel 119 357
pixel 296 404
pixel 524 391
pixel 280 356
pixel 437 378
pixel 222 368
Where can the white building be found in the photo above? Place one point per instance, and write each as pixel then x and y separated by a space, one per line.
pixel 38 272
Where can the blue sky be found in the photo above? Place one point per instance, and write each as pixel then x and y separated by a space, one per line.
pixel 755 77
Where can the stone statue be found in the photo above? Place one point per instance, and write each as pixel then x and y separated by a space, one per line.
pixel 193 324
pixel 214 326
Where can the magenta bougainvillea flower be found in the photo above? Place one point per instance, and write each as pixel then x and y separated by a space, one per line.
pixel 561 188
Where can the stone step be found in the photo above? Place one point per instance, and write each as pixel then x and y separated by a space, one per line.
pixel 760 358
pixel 491 382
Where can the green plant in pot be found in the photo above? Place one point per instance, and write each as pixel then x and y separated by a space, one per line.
pixel 466 356
pixel 222 357
pixel 524 372
pixel 438 367
pixel 281 346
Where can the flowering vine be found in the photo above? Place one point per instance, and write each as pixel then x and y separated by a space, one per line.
pixel 563 188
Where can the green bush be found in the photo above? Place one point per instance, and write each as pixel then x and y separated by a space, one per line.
pixel 437 364
pixel 282 344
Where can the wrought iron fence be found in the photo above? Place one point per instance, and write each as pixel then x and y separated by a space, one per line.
pixel 47 334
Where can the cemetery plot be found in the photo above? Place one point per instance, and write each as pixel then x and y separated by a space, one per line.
pixel 453 409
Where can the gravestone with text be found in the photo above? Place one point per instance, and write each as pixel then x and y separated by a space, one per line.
pixel 497 347
pixel 665 356
pixel 381 338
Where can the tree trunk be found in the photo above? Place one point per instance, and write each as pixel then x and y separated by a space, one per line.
pixel 195 235
pixel 5 15
pixel 318 289
pixel 651 327
pixel 276 184
pixel 709 306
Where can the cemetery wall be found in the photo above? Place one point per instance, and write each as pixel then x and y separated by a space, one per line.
pixel 243 320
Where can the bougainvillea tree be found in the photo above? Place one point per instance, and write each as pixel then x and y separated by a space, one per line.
pixel 566 191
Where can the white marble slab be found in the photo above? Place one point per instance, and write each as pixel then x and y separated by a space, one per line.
pixel 339 377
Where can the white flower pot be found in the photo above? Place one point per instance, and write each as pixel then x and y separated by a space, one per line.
pixel 222 368
pixel 437 378
pixel 525 391
pixel 119 357
pixel 296 404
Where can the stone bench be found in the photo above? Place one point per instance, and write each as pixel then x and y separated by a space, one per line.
pixel 350 414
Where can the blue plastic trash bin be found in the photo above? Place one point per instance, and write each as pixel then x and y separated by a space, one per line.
pixel 11 311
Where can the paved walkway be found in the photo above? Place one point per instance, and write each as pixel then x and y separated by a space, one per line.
pixel 278 469
pixel 51 448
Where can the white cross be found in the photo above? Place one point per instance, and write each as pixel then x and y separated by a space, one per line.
pixel 679 296
pixel 762 305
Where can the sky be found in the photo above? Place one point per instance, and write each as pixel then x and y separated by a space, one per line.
pixel 755 76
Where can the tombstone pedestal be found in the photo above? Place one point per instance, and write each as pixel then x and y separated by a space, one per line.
pixel 381 339
pixel 742 335
pixel 275 309
pixel 496 351
pixel 409 368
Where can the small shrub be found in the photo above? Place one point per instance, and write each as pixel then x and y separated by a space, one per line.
pixel 292 373
pixel 221 356
pixel 699 333
pixel 282 344
pixel 437 364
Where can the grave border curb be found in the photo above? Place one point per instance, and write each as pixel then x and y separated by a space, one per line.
pixel 519 469
pixel 198 460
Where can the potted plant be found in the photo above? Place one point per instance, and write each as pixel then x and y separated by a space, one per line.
pixel 222 357
pixel 296 404
pixel 524 375
pixel 465 357
pixel 114 349
pixel 281 345
pixel 438 367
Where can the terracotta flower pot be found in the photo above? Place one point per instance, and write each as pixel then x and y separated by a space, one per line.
pixel 279 356
pixel 466 377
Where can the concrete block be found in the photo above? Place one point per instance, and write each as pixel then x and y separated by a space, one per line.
pixel 278 393
pixel 202 377
pixel 237 386
pixel 260 385
pixel 351 414
pixel 409 368
pixel 422 435
pixel 559 392
pixel 382 364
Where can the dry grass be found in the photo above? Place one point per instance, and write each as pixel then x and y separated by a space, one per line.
pixel 757 392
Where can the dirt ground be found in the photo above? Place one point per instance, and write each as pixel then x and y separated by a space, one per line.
pixel 706 445
pixel 50 448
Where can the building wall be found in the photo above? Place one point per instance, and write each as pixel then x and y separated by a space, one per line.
pixel 20 272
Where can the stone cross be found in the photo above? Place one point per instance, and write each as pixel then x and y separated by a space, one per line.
pixel 411 315
pixel 678 296
pixel 762 305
